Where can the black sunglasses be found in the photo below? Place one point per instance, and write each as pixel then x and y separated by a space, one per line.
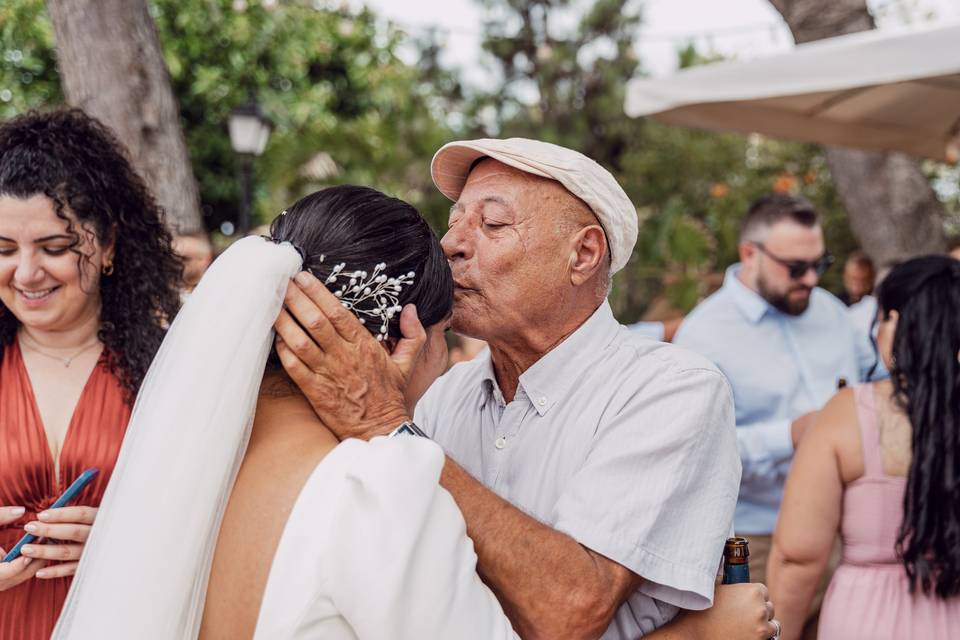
pixel 798 268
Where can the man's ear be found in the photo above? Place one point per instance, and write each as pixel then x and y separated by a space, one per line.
pixel 588 254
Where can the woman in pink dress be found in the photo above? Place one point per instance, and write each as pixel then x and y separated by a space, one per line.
pixel 882 466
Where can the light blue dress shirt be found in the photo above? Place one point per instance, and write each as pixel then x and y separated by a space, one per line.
pixel 780 367
pixel 652 330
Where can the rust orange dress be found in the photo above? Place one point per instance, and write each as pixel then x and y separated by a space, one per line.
pixel 29 611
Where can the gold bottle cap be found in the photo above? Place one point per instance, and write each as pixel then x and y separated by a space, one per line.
pixel 736 551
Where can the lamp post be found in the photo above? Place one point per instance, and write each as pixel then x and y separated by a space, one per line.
pixel 249 132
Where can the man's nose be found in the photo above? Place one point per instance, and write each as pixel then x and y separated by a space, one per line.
pixel 456 242
pixel 810 278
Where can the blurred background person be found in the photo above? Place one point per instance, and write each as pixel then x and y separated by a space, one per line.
pixel 663 318
pixel 783 343
pixel 880 466
pixel 859 276
pixel 87 281
pixel 654 329
pixel 196 252
pixel 953 248
pixel 463 348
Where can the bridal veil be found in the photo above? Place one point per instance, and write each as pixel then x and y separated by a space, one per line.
pixel 184 444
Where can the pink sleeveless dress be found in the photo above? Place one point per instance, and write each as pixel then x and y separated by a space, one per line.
pixel 868 597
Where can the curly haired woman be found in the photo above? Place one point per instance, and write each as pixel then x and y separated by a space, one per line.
pixel 88 283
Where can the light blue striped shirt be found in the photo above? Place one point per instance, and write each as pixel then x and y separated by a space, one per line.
pixel 780 367
pixel 653 330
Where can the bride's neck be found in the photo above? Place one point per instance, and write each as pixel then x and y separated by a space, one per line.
pixel 282 395
pixel 277 384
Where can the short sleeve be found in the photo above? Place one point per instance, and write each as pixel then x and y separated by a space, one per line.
pixel 658 489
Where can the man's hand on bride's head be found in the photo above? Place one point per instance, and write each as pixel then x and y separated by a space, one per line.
pixel 353 383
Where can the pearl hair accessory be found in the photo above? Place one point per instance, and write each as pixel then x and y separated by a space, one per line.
pixel 379 289
pixel 376 288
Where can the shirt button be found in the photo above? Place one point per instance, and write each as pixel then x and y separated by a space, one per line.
pixel 541 401
pixel 500 443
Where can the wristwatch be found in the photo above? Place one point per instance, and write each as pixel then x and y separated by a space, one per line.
pixel 408 428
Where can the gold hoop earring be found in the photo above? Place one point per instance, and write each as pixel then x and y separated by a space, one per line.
pixel 108 269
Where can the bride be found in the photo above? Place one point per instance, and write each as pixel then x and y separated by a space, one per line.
pixel 318 539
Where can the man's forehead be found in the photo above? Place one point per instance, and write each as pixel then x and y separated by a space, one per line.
pixel 790 230
pixel 493 181
pixel 486 169
pixel 793 241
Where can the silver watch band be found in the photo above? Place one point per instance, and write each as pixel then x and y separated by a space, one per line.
pixel 408 428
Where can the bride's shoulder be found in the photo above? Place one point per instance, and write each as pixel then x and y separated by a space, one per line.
pixel 379 460
pixel 399 470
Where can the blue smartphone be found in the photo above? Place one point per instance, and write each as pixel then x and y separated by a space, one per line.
pixel 68 496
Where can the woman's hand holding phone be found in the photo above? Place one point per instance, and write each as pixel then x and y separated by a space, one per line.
pixel 21 569
pixel 71 526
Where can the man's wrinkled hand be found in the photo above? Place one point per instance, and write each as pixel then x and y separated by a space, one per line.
pixel 354 385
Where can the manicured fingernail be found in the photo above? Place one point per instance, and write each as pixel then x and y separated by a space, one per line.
pixel 25 561
pixel 16 512
pixel 42 573
pixel 301 278
pixel 27 550
pixel 43 515
pixel 30 527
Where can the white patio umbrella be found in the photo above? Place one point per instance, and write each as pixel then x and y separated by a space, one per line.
pixel 874 90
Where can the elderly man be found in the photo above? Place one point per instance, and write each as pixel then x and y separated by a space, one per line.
pixel 783 343
pixel 596 470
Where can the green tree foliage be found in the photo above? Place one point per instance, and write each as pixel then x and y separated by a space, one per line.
pixel 691 187
pixel 345 107
pixel 28 65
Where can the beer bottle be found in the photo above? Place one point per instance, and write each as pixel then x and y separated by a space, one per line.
pixel 736 563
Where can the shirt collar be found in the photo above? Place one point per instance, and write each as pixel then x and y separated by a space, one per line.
pixel 488 380
pixel 551 377
pixel 751 305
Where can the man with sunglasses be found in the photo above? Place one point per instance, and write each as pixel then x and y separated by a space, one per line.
pixel 783 344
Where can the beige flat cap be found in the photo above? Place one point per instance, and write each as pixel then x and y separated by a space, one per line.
pixel 580 175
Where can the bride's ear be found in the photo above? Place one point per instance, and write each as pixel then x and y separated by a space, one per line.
pixel 390 344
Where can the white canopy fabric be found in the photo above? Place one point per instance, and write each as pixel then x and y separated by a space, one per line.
pixel 874 90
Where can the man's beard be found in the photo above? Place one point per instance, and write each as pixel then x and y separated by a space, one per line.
pixel 781 301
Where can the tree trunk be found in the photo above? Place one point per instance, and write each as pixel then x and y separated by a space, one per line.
pixel 112 67
pixel 893 211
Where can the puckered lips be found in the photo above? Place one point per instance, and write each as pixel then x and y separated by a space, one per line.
pixel 460 286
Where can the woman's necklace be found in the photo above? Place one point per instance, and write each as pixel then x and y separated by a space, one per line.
pixel 66 362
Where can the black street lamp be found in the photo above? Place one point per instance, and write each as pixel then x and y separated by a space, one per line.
pixel 249 132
